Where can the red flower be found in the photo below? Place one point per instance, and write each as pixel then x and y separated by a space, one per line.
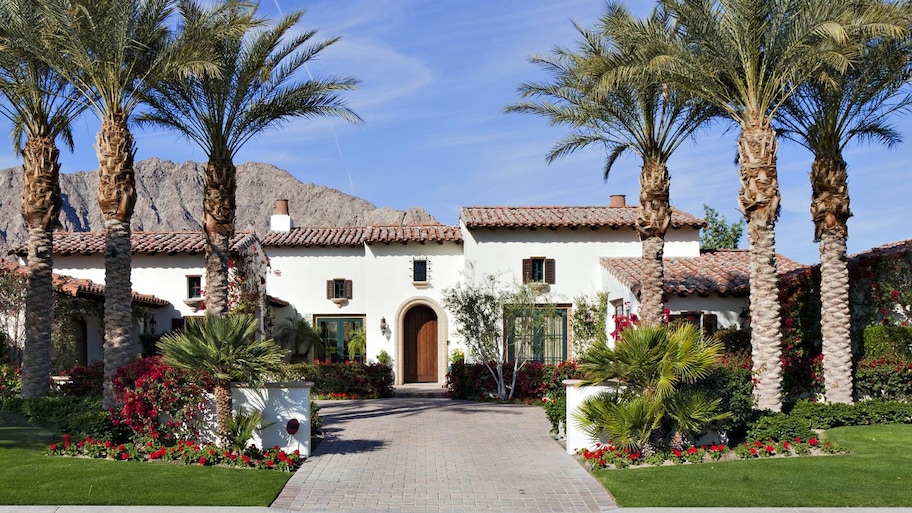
pixel 211 452
pixel 203 461
pixel 677 453
pixel 124 456
pixel 753 451
pixel 108 444
pixel 785 444
pixel 770 449
pixel 813 441
pixel 758 443
pixel 245 459
pixel 66 441
pixel 53 447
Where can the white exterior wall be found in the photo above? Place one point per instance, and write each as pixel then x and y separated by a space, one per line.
pixel 393 293
pixel 576 255
pixel 727 309
pixel 300 274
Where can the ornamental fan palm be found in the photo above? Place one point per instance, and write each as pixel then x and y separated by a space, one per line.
pixel 640 114
pixel 113 52
pixel 747 57
pixel 824 116
pixel 258 89
pixel 41 108
pixel 651 363
pixel 226 348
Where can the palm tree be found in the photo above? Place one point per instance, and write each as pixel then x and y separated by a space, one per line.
pixel 297 335
pixel 113 52
pixel 40 106
pixel 653 362
pixel 747 57
pixel 228 349
pixel 824 117
pixel 256 90
pixel 640 114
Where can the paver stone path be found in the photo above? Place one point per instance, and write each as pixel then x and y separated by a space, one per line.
pixel 433 454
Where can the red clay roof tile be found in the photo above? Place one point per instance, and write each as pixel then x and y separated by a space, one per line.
pixel 568 217
pixel 724 271
pixel 70 243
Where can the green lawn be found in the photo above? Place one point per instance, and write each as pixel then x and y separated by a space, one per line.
pixel 878 473
pixel 31 477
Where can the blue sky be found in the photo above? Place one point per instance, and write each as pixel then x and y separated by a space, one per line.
pixel 435 76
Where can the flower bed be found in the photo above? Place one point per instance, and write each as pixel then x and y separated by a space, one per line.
pixel 188 453
pixel 607 456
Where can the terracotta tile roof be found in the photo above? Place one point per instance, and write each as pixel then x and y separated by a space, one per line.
pixel 358 235
pixel 329 236
pixel 414 233
pixel 77 287
pixel 892 248
pixel 724 271
pixel 274 301
pixel 71 243
pixel 568 217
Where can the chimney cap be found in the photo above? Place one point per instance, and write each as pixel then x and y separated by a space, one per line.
pixel 617 201
pixel 281 207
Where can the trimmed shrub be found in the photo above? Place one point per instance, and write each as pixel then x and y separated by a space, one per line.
pixel 884 378
pixel 778 427
pixel 78 416
pixel 535 380
pixel 825 416
pixel 353 379
pixel 887 341
pixel 85 380
pixel 731 382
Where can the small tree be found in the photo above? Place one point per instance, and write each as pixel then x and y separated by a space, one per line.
pixel 719 234
pixel 498 323
pixel 226 348
pixel 653 362
pixel 589 321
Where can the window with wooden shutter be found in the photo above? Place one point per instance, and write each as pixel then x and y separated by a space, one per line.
pixel 348 289
pixel 538 270
pixel 330 289
pixel 549 270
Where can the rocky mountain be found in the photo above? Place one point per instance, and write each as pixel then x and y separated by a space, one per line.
pixel 170 198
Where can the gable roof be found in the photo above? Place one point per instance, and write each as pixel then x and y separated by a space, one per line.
pixel 722 271
pixel 358 235
pixel 85 243
pixel 565 217
pixel 84 288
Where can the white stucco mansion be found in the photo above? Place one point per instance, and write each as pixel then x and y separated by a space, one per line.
pixel 389 280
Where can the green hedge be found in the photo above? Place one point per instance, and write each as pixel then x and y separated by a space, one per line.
pixel 825 416
pixel 353 379
pixel 887 341
pixel 884 378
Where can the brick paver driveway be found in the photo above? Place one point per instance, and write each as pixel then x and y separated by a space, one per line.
pixel 431 454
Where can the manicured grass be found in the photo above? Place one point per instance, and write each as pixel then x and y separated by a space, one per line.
pixel 31 477
pixel 878 473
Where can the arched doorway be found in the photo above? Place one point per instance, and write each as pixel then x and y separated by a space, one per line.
pixel 420 345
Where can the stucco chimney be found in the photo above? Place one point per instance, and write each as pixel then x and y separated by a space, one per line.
pixel 618 200
pixel 281 221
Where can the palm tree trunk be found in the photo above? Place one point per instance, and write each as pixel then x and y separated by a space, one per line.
pixel 830 211
pixel 41 208
pixel 653 218
pixel 219 207
pixel 222 410
pixel 759 200
pixel 116 197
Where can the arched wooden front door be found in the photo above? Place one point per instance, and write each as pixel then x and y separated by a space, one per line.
pixel 420 345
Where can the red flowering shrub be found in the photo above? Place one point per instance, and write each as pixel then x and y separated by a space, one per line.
pixel 535 380
pixel 159 402
pixel 354 379
pixel 85 380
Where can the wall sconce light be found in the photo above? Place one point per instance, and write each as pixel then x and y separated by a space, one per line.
pixel 153 324
pixel 383 326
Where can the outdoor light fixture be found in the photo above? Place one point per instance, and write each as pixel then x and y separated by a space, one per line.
pixel 152 325
pixel 383 326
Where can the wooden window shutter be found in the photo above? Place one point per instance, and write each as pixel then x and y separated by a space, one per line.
pixel 526 270
pixel 330 289
pixel 549 271
pixel 710 324
pixel 348 289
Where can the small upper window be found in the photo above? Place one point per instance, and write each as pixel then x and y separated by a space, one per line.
pixel 338 289
pixel 194 287
pixel 538 270
pixel 420 270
